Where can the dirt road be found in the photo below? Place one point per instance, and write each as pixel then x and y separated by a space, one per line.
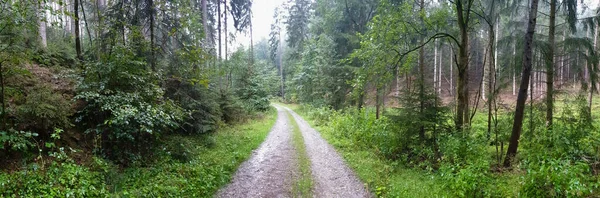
pixel 272 168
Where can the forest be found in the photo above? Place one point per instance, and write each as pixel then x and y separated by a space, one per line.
pixel 416 98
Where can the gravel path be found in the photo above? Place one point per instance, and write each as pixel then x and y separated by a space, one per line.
pixel 331 176
pixel 272 168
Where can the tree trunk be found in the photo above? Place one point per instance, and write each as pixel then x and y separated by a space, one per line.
pixel 463 115
pixel 42 25
pixel 514 76
pixel 280 54
pixel 152 47
pixel 251 44
pixel 4 115
pixel 562 64
pixel 77 39
pixel 591 77
pixel 519 111
pixel 491 73
pixel 377 102
pixel 435 67
pixel 440 70
pixel 205 22
pixel 219 28
pixel 422 80
pixel 451 68
pixel 226 40
pixel 66 17
pixel 550 67
pixel 87 27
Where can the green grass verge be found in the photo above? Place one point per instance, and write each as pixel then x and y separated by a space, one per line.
pixel 187 166
pixel 383 177
pixel 303 184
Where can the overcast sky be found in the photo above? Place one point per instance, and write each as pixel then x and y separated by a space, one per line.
pixel 262 19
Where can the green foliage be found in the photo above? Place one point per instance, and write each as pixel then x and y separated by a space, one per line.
pixel 472 180
pixel 199 102
pixel 558 161
pixel 206 166
pixel 63 179
pixel 124 106
pixel 232 108
pixel 421 124
pixel 384 177
pixel 44 110
pixel 58 53
pixel 557 178
pixel 16 140
pixel 252 92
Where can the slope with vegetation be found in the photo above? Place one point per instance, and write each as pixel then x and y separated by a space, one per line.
pixel 126 98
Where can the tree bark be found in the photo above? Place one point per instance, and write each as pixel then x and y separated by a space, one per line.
pixel 422 80
pixel 440 70
pixel 205 21
pixel 527 61
pixel 463 115
pixel 67 18
pixel 514 77
pixel 435 66
pixel 77 39
pixel 377 101
pixel 491 70
pixel 4 115
pixel 87 27
pixel 550 67
pixel 152 47
pixel 451 68
pixel 42 25
pixel 219 28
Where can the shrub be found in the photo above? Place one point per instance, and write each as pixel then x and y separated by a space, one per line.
pixel 16 140
pixel 60 179
pixel 557 178
pixel 199 102
pixel 420 123
pixel 232 108
pixel 470 180
pixel 124 106
pixel 252 93
pixel 44 110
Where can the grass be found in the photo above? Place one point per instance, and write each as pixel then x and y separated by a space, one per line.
pixel 187 166
pixel 383 177
pixel 211 166
pixel 303 184
pixel 389 178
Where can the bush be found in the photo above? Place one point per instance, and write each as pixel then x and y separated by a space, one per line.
pixel 470 180
pixel 557 178
pixel 44 110
pixel 232 108
pixel 199 102
pixel 252 93
pixel 62 178
pixel 420 128
pixel 16 140
pixel 124 106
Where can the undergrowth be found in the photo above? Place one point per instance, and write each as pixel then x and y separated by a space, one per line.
pixel 550 163
pixel 186 166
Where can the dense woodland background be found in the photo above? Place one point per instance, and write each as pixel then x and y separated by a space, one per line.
pixel 477 93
